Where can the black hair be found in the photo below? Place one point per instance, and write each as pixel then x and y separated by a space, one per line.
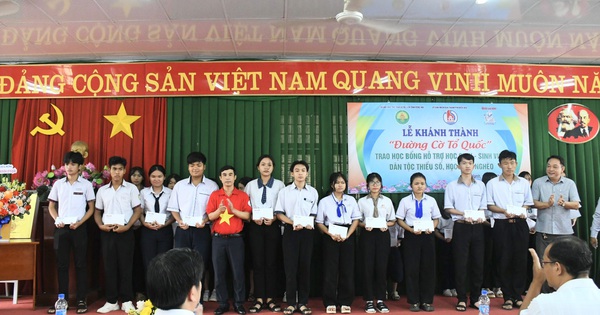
pixel 171 275
pixel 301 162
pixel 245 180
pixel 333 179
pixel 524 173
pixel 264 156
pixel 114 160
pixel 157 167
pixel 225 168
pixel 73 157
pixel 194 157
pixel 485 178
pixel 558 157
pixel 373 176
pixel 172 176
pixel 505 154
pixel 137 169
pixel 415 176
pixel 465 156
pixel 573 253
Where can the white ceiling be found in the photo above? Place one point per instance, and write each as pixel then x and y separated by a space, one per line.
pixel 513 31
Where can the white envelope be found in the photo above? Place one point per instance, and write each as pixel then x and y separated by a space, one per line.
pixel 262 213
pixel 474 215
pixel 423 225
pixel 304 220
pixel 376 223
pixel 448 233
pixel 160 218
pixel 113 218
pixel 338 230
pixel 516 210
pixel 66 220
pixel 192 220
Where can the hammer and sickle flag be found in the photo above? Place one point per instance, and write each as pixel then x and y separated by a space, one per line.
pixel 55 126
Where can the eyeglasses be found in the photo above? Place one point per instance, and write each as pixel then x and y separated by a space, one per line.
pixel 547 262
pixel 375 182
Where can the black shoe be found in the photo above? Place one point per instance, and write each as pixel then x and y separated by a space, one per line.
pixel 222 309
pixel 239 309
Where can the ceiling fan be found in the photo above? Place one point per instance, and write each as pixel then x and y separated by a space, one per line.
pixel 351 15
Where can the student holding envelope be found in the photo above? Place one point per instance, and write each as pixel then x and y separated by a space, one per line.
pixel 157 234
pixel 377 216
pixel 418 215
pixel 337 218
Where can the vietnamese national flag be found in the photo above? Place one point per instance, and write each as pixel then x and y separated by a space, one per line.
pixel 134 128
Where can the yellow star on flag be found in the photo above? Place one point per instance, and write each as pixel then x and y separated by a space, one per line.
pixel 225 216
pixel 121 122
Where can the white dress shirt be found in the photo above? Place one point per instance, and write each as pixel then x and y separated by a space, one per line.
pixel 574 297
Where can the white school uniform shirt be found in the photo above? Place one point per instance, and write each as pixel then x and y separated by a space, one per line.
pixel 385 207
pixel 406 209
pixel 293 201
pixel 327 211
pixel 396 234
pixel 461 197
pixel 72 199
pixel 120 201
pixel 147 200
pixel 255 192
pixel 501 193
pixel 190 200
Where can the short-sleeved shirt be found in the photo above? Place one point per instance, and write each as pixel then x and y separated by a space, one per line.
pixel 228 223
pixel 72 199
pixel 148 200
pixel 120 201
pixel 339 212
pixel 556 219
pixel 576 296
pixel 293 201
pixel 255 187
pixel 190 200
pixel 501 193
pixel 595 228
pixel 407 209
pixel 461 197
pixel 385 207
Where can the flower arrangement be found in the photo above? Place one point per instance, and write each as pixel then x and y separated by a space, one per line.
pixel 14 201
pixel 143 308
pixel 89 172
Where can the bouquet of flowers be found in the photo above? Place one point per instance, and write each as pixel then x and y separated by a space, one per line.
pixel 143 308
pixel 88 171
pixel 14 201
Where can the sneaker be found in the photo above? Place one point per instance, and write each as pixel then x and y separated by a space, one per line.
pixel 108 307
pixel 127 306
pixel 206 295
pixel 447 292
pixel 381 307
pixel 395 296
pixel 370 307
pixel 490 293
pixel 213 296
pixel 454 292
pixel 498 293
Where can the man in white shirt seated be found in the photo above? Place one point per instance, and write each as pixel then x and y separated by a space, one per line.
pixel 174 283
pixel 565 265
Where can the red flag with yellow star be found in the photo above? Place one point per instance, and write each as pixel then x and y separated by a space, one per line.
pixel 134 128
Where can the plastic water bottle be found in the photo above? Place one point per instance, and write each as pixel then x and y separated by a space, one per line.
pixel 61 305
pixel 484 303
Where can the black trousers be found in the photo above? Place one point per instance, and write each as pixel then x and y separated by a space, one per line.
pixel 338 271
pixel 419 261
pixel 117 252
pixel 468 250
pixel 265 241
pixel 375 249
pixel 445 266
pixel 66 239
pixel 197 239
pixel 490 272
pixel 154 242
pixel 297 255
pixel 511 237
pixel 229 251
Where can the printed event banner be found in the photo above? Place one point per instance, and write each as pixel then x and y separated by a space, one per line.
pixel 399 139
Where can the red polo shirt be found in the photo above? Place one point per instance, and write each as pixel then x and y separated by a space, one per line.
pixel 226 224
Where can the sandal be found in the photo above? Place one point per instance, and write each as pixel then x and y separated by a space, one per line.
pixel 289 310
pixel 461 306
pixel 51 310
pixel 474 305
pixel 273 307
pixel 508 305
pixel 304 310
pixel 81 307
pixel 518 303
pixel 331 309
pixel 258 306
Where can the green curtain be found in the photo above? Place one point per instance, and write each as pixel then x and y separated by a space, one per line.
pixel 8 109
pixel 236 130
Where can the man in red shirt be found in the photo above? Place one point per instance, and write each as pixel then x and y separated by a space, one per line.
pixel 227 208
